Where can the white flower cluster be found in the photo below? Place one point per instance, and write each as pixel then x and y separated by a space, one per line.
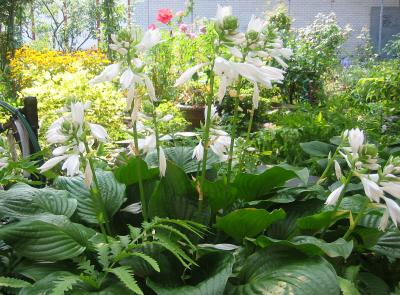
pixel 378 182
pixel 73 135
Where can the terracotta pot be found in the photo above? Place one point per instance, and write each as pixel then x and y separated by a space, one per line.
pixel 193 113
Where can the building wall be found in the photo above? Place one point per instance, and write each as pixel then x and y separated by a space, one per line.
pixel 356 13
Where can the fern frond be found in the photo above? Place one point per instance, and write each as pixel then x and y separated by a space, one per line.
pixel 125 275
pixel 194 227
pixel 134 232
pixel 13 283
pixel 176 232
pixel 103 252
pixel 64 284
pixel 153 263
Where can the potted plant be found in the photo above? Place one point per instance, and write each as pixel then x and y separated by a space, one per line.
pixel 191 103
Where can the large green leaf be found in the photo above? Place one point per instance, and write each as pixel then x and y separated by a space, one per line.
pixel 389 245
pixel 218 194
pixel 182 157
pixel 310 245
pixel 248 222
pixel 253 186
pixel 128 175
pixel 214 273
pixel 282 272
pixel 321 220
pixel 316 148
pixel 47 237
pixel 24 201
pixel 112 195
pixel 174 196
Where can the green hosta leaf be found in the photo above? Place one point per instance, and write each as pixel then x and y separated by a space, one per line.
pixel 254 186
pixel 46 284
pixel 128 174
pixel 49 237
pixel 347 287
pixel 218 194
pixel 248 222
pixel 316 148
pixel 370 284
pixel 125 274
pixel 281 272
pixel 321 220
pixel 112 194
pixel 174 196
pixel 215 269
pixel 13 283
pixel 24 201
pixel 310 245
pixel 182 157
pixel 389 245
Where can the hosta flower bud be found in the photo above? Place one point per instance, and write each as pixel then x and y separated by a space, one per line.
pixel 252 35
pixel 369 150
pixel 230 23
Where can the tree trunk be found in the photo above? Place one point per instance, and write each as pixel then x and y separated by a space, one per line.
pixel 98 30
pixel 65 14
pixel 129 13
pixel 11 28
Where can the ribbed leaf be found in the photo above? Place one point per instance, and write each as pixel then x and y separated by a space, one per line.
pixel 46 284
pixel 310 245
pixel 182 157
pixel 24 201
pixel 218 194
pixel 254 186
pixel 316 148
pixel 217 268
pixel 125 274
pixel 127 174
pixel 48 237
pixel 13 283
pixel 248 222
pixel 282 272
pixel 389 245
pixel 112 194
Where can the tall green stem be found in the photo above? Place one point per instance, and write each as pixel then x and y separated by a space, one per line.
pixel 356 221
pixel 156 133
pixel 139 172
pixel 234 129
pixel 206 137
pixel 328 166
pixel 97 198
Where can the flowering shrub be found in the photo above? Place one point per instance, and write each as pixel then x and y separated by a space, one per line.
pixel 27 63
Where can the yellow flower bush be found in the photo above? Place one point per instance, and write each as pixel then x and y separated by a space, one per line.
pixel 28 63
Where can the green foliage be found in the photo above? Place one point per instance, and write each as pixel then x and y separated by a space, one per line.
pixel 393 46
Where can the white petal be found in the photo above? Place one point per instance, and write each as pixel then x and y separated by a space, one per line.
pixel 162 162
pixel 51 163
pixel 338 170
pixel 394 210
pixel 222 89
pixel 224 247
pixel 235 52
pixel 98 132
pixel 77 113
pixel 150 39
pixel 187 75
pixel 134 208
pixel 126 79
pixel 334 196
pixel 371 189
pixel 256 24
pixel 88 175
pixel 108 74
pixel 222 12
pixel 167 118
pixel 256 96
pixel 392 188
pixel 71 165
pixel 198 152
pixel 130 97
pixel 60 150
pixel 356 139
pixel 384 221
pixel 150 88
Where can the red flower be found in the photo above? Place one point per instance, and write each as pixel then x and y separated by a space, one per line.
pixel 152 27
pixel 164 15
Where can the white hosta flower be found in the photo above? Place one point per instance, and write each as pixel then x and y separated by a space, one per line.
pixel 52 163
pixel 394 210
pixel 224 247
pixel 356 140
pixel 256 24
pixel 150 88
pixel 78 113
pixel 214 113
pixel 219 145
pixel 136 110
pixel 334 196
pixel 71 165
pixel 126 79
pixel 264 75
pixel 338 170
pixel 60 150
pixel 130 97
pixel 162 162
pixel 224 69
pixel 256 96
pixel 384 220
pixel 198 152
pixel 371 189
pixel 187 75
pixel 391 188
pixel 108 74
pixel 222 13
pixel 99 132
pixel 88 175
pixel 149 40
pixel 148 144
pixel 135 208
pixel 235 52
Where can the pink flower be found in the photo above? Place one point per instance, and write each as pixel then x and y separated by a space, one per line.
pixel 152 27
pixel 191 35
pixel 183 28
pixel 180 13
pixel 164 15
pixel 203 30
